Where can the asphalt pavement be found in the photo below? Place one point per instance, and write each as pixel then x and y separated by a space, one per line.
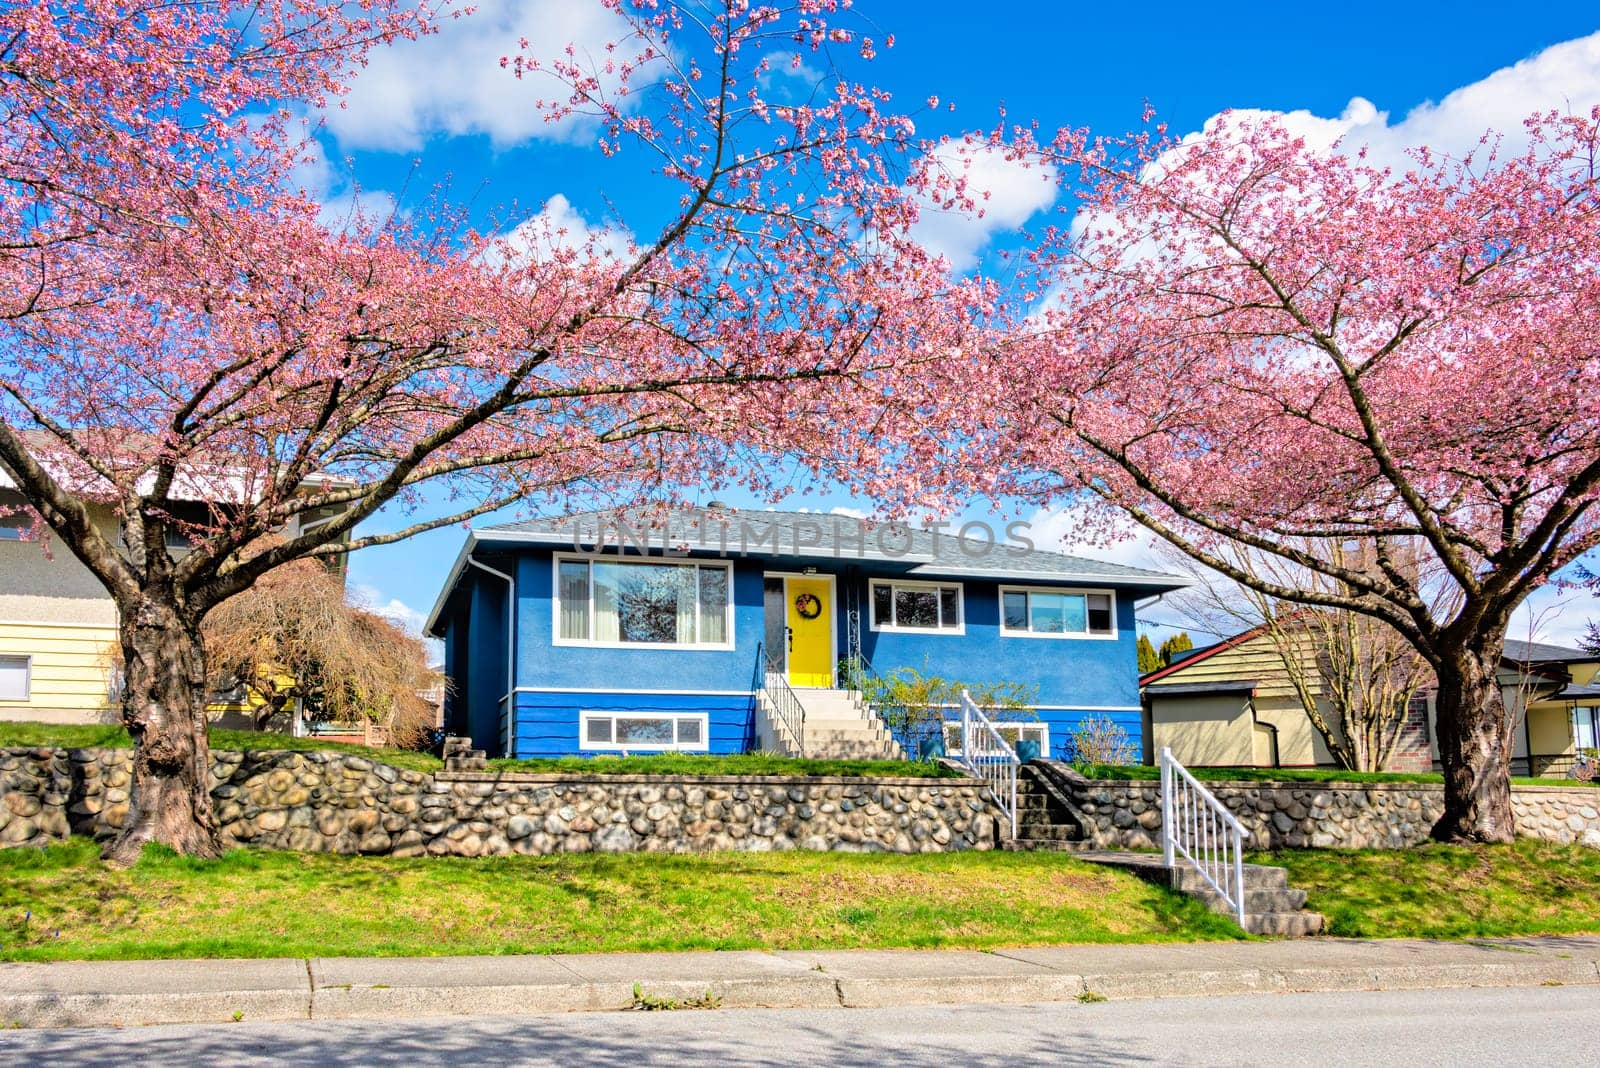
pixel 1415 1029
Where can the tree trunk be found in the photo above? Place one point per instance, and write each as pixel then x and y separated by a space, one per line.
pixel 164 709
pixel 1475 749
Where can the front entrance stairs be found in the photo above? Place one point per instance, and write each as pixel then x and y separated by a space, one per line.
pixel 838 725
pixel 1048 821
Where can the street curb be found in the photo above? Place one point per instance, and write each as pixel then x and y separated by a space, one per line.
pixel 132 993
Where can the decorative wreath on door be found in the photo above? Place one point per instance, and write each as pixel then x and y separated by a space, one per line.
pixel 808 606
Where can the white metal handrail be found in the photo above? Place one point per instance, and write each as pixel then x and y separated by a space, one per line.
pixel 986 754
pixel 1195 825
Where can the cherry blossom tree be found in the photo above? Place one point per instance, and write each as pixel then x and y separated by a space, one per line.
pixel 180 325
pixel 1246 341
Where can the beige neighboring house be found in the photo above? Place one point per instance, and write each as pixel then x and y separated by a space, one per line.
pixel 1231 704
pixel 58 625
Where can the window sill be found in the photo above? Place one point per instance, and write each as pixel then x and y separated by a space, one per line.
pixel 698 647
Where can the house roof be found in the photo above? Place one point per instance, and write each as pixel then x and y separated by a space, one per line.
pixel 1199 653
pixel 918 552
pixel 1516 652
pixel 1544 652
pixel 1201 689
pixel 216 478
pixel 1576 692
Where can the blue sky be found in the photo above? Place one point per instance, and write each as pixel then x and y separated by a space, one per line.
pixel 1390 74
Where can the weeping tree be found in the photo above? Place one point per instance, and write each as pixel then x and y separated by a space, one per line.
pixel 179 324
pixel 294 638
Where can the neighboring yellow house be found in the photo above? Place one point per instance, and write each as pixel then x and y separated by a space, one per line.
pixel 58 625
pixel 1232 705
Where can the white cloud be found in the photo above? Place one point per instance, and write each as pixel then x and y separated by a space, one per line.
pixel 560 228
pixel 452 82
pixel 1005 192
pixel 1564 77
pixel 393 609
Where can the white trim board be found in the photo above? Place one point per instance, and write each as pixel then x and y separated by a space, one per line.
pixel 604 689
pixel 47 623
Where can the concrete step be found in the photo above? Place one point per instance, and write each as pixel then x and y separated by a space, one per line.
pixel 475 762
pixel 1289 900
pixel 1284 924
pixel 842 751
pixel 841 724
pixel 1256 877
pixel 1021 844
pixel 1059 832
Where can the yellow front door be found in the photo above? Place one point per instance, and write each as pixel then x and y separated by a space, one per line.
pixel 810 619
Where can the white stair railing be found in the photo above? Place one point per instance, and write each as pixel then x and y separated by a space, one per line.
pixel 988 756
pixel 1198 827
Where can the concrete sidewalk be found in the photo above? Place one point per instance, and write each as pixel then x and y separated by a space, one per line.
pixel 94 994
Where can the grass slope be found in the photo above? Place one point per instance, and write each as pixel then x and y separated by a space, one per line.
pixel 112 736
pixel 1150 773
pixel 739 764
pixel 1440 891
pixel 261 904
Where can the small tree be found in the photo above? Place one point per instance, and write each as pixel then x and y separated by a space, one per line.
pixel 1173 647
pixel 1098 741
pixel 295 637
pixel 916 704
pixel 1149 659
pixel 1353 675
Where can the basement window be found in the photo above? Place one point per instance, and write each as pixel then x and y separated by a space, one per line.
pixel 644 731
pixel 16 677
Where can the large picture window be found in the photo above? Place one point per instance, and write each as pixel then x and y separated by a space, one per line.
pixel 1046 613
pixel 647 731
pixel 926 606
pixel 638 602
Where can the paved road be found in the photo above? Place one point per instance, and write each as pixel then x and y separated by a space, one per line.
pixel 1534 1026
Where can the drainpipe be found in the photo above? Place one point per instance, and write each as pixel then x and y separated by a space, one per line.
pixel 511 648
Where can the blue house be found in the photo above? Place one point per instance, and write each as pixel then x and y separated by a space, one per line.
pixel 725 631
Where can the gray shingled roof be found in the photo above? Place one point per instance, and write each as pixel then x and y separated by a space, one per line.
pixel 1543 652
pixel 817 535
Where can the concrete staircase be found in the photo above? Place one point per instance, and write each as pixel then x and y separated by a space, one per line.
pixel 1271 905
pixel 460 756
pixel 838 726
pixel 1048 821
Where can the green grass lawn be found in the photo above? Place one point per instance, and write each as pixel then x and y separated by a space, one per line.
pixel 113 736
pixel 1440 891
pixel 90 736
pixel 262 904
pixel 1147 772
pixel 739 764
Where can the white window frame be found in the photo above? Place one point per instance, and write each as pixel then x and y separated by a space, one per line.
pixel 894 628
pixel 1084 591
pixel 1019 725
pixel 1589 713
pixel 27 676
pixel 613 714
pixel 557 559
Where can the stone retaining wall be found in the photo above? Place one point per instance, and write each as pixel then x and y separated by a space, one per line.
pixel 1127 815
pixel 325 801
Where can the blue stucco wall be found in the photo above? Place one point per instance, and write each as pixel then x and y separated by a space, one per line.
pixel 547 723
pixel 1092 672
pixel 1071 677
